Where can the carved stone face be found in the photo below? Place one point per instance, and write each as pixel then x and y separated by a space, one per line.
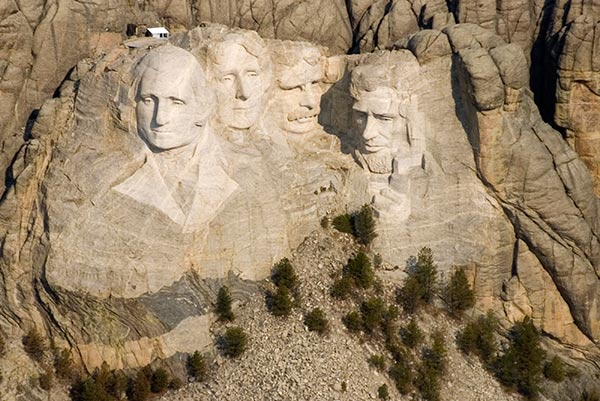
pixel 298 98
pixel 379 126
pixel 240 86
pixel 167 105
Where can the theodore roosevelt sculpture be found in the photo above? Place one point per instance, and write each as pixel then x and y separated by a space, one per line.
pixel 240 70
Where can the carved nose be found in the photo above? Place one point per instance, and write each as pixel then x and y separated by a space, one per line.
pixel 309 98
pixel 161 114
pixel 370 130
pixel 242 91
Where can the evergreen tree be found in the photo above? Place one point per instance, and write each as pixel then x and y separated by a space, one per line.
pixel 420 284
pixel 364 225
pixel 159 381
pixel 359 268
pixel 315 320
pixel 411 334
pixel 458 293
pixel 281 302
pixel 34 345
pixel 235 341
pixel 285 275
pixel 342 223
pixel 63 365
pixel 555 369
pixel 197 366
pixel 521 365
pixel 139 387
pixel 223 307
pixel 426 273
pixel 373 313
pixel 478 337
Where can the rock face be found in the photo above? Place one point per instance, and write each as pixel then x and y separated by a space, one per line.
pixel 164 170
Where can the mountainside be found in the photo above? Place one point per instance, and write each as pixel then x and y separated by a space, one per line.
pixel 161 171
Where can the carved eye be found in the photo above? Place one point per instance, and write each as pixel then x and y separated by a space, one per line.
pixel 147 100
pixel 177 101
pixel 228 78
pixel 383 117
pixel 252 74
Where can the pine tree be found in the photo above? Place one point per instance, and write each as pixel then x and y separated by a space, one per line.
pixel 426 273
pixel 359 268
pixel 235 341
pixel 139 388
pixel 34 345
pixel 458 294
pixel 197 366
pixel 364 225
pixel 159 381
pixel 285 275
pixel 281 302
pixel 521 365
pixel 223 307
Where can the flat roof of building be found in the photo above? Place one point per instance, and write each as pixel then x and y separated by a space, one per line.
pixel 158 29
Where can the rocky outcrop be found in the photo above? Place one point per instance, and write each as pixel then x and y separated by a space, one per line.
pixel 160 172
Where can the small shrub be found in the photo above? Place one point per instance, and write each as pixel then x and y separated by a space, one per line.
pixel 411 334
pixel 364 225
pixel 520 366
pixel 478 337
pixel 373 313
pixel 281 303
pixel 175 383
pixel 402 376
pixel 382 392
pixel 285 275
pixel 342 287
pixel 359 268
pixel 410 295
pixel 223 307
pixel 315 320
pixel 34 345
pixel 46 379
pixel 377 261
pixel 555 369
pixel 235 342
pixel 428 384
pixel 159 381
pixel 377 361
pixel 325 222
pixel 197 367
pixel 87 390
pixel 353 321
pixel 458 294
pixel 63 365
pixel 116 384
pixel 2 346
pixel 434 357
pixel 344 386
pixel 342 223
pixel 139 387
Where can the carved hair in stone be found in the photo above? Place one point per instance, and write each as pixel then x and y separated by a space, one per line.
pixel 380 102
pixel 239 67
pixel 298 70
pixel 173 101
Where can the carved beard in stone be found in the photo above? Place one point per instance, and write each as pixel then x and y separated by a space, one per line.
pixel 377 119
pixel 168 112
pixel 240 86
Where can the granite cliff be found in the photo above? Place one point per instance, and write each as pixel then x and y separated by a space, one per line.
pixel 160 171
